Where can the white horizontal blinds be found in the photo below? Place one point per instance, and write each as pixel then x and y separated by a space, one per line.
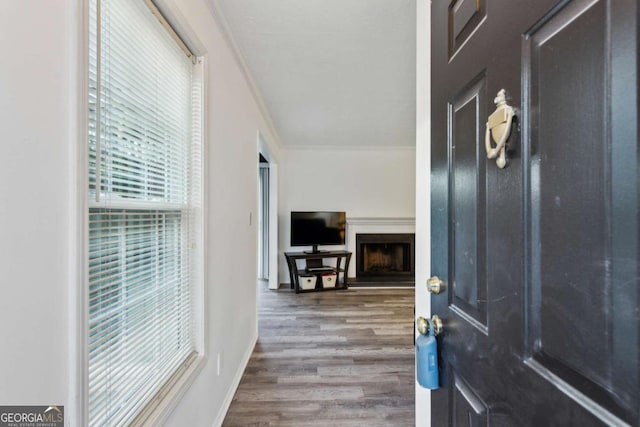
pixel 92 96
pixel 143 214
pixel 146 106
pixel 195 175
pixel 139 328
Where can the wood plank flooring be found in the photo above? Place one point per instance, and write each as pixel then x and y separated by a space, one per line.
pixel 342 358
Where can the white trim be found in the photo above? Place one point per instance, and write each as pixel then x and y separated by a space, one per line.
pixel 117 202
pixel 267 151
pixel 423 184
pixel 77 398
pixel 201 309
pixel 180 25
pixel 234 384
pixel 356 225
pixel 274 250
pixel 167 26
pixel 159 414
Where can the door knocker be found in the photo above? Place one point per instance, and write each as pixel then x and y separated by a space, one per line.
pixel 499 128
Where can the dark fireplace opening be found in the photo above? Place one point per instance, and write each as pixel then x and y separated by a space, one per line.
pixel 385 255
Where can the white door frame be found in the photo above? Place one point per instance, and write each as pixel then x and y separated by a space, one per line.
pixel 267 153
pixel 423 184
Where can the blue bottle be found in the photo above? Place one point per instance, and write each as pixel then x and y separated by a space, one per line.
pixel 427 360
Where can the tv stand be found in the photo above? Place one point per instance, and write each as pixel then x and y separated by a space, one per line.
pixel 318 264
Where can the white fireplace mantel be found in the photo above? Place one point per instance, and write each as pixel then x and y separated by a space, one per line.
pixel 374 225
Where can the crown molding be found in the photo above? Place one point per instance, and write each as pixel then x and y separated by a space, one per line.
pixel 215 11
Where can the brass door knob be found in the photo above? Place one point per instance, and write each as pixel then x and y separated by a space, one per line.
pixel 435 285
pixel 437 324
pixel 423 325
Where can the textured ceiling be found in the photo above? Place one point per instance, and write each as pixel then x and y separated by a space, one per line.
pixel 330 72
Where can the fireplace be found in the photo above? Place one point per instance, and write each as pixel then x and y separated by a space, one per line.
pixel 385 255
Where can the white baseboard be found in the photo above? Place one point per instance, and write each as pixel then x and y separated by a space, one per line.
pixel 234 385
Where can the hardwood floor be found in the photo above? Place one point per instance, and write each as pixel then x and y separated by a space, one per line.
pixel 342 358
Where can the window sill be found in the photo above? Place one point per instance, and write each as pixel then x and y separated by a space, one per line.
pixel 159 409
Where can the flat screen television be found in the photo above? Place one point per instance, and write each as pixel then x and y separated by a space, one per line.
pixel 317 228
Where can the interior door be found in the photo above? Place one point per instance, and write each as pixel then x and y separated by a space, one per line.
pixel 540 259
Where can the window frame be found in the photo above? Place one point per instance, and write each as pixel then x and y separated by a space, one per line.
pixel 159 408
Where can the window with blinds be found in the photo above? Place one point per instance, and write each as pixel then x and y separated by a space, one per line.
pixel 144 202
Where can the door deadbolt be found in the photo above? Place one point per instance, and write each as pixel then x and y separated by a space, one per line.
pixel 435 285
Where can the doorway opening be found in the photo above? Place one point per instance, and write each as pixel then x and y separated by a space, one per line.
pixel 263 218
pixel 267 216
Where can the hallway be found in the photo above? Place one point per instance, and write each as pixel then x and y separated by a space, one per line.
pixel 342 358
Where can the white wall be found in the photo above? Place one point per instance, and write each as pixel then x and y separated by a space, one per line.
pixel 233 120
pixel 40 213
pixel 37 138
pixel 364 182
